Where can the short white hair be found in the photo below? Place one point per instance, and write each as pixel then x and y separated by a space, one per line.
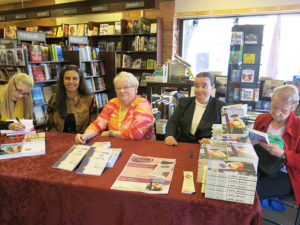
pixel 287 93
pixel 127 76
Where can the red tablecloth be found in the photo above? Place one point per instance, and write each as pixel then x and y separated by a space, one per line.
pixel 34 193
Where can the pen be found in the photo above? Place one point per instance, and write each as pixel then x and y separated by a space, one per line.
pixel 191 153
pixel 18 120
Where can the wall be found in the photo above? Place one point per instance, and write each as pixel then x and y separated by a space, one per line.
pixel 215 7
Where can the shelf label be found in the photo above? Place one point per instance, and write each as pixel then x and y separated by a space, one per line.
pixel 30 36
pixel 78 40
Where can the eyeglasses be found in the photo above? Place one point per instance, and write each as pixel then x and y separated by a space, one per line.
pixel 124 88
pixel 203 86
pixel 282 111
pixel 20 92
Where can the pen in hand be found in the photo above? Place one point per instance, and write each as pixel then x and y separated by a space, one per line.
pixel 19 125
pixel 18 120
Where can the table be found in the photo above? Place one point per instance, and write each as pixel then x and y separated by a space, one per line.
pixel 34 193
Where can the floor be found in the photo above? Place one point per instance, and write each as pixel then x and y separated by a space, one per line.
pixel 285 218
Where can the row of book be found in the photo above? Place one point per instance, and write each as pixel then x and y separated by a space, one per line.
pixel 142 43
pixel 96 84
pixel 101 100
pixel 42 94
pixel 39 53
pixel 14 57
pixel 93 68
pixel 43 71
pixel 129 63
pixel 8 71
pixel 109 46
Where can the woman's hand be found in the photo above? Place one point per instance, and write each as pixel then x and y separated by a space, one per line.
pixel 16 126
pixel 205 141
pixel 254 141
pixel 273 149
pixel 170 140
pixel 80 139
pixel 105 134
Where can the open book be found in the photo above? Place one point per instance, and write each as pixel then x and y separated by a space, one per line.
pixel 259 136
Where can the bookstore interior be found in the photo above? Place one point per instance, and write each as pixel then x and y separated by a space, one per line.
pixel 139 45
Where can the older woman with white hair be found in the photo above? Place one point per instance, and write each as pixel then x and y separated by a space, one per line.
pixel 283 123
pixel 127 116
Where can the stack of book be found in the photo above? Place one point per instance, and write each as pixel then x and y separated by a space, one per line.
pixel 230 181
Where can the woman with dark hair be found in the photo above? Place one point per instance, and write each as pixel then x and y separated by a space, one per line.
pixel 193 118
pixel 72 108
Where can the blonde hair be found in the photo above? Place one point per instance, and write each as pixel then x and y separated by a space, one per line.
pixel 128 76
pixel 7 105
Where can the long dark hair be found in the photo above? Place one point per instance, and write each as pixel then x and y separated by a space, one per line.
pixel 61 94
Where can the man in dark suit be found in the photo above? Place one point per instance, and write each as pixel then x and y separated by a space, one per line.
pixel 193 118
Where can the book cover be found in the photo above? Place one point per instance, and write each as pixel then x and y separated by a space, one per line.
pixel 12 151
pixel 34 144
pixel 243 152
pixel 102 46
pixel 37 72
pixel 231 169
pixel 11 140
pixel 72 29
pixel 259 136
pixel 38 114
pixel 10 32
pixel 249 58
pixel 103 29
pixel 10 60
pixel 269 86
pixel 59 53
pixel 237 38
pixel 247 94
pixel 60 31
pixel 251 39
pixel 236 76
pixel 94 162
pixel 19 57
pixel 35 53
pixel 3 57
pixel 233 120
pixel 235 57
pixel 247 76
pixel 114 156
pixel 37 95
pixel 110 46
pixel 80 29
pixel 45 53
pixel 117 27
pixel 72 157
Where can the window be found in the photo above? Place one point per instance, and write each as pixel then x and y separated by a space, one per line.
pixel 206 44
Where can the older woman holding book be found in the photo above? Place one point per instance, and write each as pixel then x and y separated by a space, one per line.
pixel 283 123
pixel 72 108
pixel 15 101
pixel 127 116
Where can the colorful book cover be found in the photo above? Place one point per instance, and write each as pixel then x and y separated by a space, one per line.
pixel 251 39
pixel 233 120
pixel 249 58
pixel 247 76
pixel 35 53
pixel 237 38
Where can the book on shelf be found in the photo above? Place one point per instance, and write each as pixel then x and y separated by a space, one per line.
pixel 35 53
pixel 37 72
pixel 90 84
pixel 47 92
pixel 144 79
pixel 103 29
pixel 3 59
pixel 102 46
pixel 110 46
pixel 151 63
pixel 152 43
pixel 247 94
pixel 247 76
pixel 32 29
pixel 60 31
pixel 80 29
pixel 10 57
pixel 59 53
pixel 39 114
pixel 269 86
pixel 95 53
pixel 251 38
pixel 10 32
pixel 237 38
pixel 37 95
pixel 19 57
pixel 249 58
pixel 110 29
pixel 72 29
pixel 137 63
pixel 117 27
pixel 153 28
pixel 45 53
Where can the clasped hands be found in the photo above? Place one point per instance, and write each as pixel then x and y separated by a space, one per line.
pixel 172 141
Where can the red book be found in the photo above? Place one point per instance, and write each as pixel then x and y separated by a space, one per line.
pixel 37 72
pixel 35 53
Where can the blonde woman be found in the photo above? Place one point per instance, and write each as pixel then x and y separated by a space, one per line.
pixel 15 101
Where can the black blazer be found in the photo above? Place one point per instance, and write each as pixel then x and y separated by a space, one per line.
pixel 179 124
